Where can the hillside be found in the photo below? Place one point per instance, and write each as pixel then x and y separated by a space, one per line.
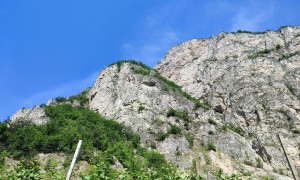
pixel 212 108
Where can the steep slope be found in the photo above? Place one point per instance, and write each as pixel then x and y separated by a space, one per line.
pixel 141 99
pixel 252 81
pixel 134 95
pixel 244 90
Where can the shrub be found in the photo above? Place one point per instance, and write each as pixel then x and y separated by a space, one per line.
pixel 259 163
pixel 60 99
pixel 120 63
pixel 174 129
pixel 141 108
pixel 153 145
pixel 211 121
pixel 278 46
pixel 81 98
pixel 190 138
pixel 161 136
pixel 211 146
pixel 180 114
pixel 236 129
pixel 42 105
pixel 144 72
pixel 260 53
pixel 210 132
pixel 171 112
pixel 288 55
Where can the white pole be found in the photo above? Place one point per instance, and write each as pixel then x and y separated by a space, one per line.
pixel 74 160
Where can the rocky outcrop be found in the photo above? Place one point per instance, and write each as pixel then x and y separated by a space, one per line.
pixel 252 81
pixel 35 115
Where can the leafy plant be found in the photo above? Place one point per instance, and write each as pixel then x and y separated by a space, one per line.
pixel 180 114
pixel 211 146
pixel 141 108
pixel 288 55
pixel 211 121
pixel 260 53
pixel 60 99
pixel 190 138
pixel 161 136
pixel 174 130
pixel 236 129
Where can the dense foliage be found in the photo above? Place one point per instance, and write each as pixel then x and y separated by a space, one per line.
pixel 112 142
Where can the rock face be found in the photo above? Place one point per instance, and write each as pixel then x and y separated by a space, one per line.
pixel 253 82
pixel 35 115
pixel 141 102
pixel 250 80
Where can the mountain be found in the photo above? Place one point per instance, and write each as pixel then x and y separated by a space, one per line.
pixel 211 107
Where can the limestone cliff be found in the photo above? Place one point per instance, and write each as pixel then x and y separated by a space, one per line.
pixel 236 92
pixel 252 81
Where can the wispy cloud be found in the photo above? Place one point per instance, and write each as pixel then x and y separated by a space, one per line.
pixel 251 16
pixel 150 52
pixel 64 90
pixel 154 35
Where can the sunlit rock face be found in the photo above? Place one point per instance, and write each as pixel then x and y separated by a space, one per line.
pixel 250 80
pixel 253 81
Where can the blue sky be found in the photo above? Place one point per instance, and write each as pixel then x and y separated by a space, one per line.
pixel 56 48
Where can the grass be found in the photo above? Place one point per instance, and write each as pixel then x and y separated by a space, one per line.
pixel 260 53
pixel 180 114
pixel 141 108
pixel 210 132
pixel 291 89
pixel 176 88
pixel 190 138
pixel 211 60
pixel 161 136
pixel 284 112
pixel 296 131
pixel 288 55
pixel 69 124
pixel 174 130
pixel 236 129
pixel 248 32
pixel 211 121
pixel 120 63
pixel 211 146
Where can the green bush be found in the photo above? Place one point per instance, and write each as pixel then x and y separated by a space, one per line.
pixel 260 53
pixel 180 114
pixel 141 108
pixel 174 130
pixel 120 63
pixel 211 146
pixel 68 124
pixel 26 169
pixel 144 72
pixel 236 129
pixel 81 98
pixel 60 99
pixel 288 55
pixel 161 136
pixel 171 112
pixel 211 121
pixel 190 138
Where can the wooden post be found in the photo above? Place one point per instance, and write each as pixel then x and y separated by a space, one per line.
pixel 74 160
pixel 287 158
